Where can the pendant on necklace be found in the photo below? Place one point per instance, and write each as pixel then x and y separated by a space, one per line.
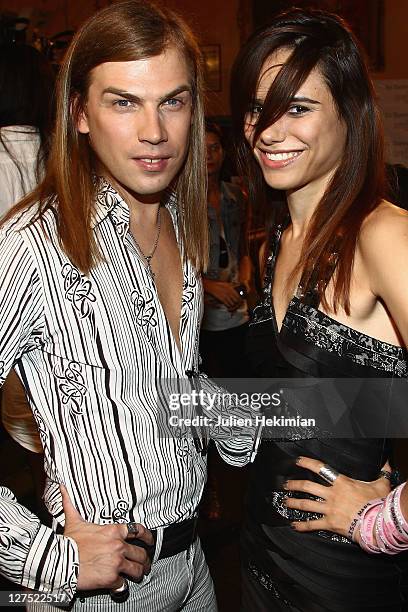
pixel 149 267
pixel 148 258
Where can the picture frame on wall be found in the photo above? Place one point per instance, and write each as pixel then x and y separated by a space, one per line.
pixel 212 66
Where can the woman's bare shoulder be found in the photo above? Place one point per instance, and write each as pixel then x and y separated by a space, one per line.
pixel 382 249
pixel 385 227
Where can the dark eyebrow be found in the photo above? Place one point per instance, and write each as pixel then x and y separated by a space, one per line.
pixel 176 92
pixel 132 98
pixel 294 99
pixel 304 99
pixel 123 94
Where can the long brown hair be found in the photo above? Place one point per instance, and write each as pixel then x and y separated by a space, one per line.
pixel 125 31
pixel 321 40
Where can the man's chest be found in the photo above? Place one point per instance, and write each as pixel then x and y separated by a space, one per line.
pixel 112 316
pixel 167 272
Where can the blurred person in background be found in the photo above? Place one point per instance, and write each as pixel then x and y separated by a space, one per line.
pixel 227 283
pixel 227 280
pixel 26 94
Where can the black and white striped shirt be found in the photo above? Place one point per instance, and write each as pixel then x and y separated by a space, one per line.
pixel 88 350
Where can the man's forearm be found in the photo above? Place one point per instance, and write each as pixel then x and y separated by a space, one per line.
pixel 233 429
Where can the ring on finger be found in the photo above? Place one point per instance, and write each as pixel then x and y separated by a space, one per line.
pixel 120 594
pixel 133 528
pixel 328 473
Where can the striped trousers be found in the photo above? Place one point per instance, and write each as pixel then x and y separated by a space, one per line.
pixel 181 582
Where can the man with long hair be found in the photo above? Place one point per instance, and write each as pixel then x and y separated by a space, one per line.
pixel 100 297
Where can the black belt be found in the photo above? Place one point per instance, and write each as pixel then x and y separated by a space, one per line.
pixel 176 538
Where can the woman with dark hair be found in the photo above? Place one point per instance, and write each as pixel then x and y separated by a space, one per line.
pixel 26 91
pixel 335 302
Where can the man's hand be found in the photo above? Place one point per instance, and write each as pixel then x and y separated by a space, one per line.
pixel 223 292
pixel 104 553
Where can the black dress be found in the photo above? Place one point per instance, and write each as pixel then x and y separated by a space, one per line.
pixel 318 571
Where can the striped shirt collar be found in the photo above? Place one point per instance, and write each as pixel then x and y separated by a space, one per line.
pixel 110 202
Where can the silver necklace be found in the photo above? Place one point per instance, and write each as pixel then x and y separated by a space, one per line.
pixel 148 258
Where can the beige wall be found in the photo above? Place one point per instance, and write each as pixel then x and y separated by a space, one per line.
pixel 216 22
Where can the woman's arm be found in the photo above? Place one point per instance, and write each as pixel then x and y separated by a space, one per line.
pixel 383 245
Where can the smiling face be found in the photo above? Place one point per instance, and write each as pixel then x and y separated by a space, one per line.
pixel 138 117
pixel 303 148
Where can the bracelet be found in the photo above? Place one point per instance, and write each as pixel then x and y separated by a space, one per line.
pixel 388 535
pixel 367 526
pixel 394 476
pixel 382 542
pixel 396 534
pixel 355 523
pixel 389 538
pixel 403 524
pixel 383 527
pixel 392 531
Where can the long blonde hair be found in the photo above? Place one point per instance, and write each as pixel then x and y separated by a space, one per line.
pixel 125 31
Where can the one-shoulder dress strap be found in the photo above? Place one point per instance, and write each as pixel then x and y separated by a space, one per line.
pixel 312 297
pixel 263 311
pixel 272 249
